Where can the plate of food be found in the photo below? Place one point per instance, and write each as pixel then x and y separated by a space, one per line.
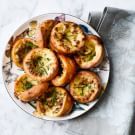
pixel 55 67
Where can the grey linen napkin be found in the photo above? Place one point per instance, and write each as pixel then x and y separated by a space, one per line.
pixel 114 113
pixel 117 29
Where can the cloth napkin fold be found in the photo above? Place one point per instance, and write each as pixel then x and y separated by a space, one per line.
pixel 117 29
pixel 114 114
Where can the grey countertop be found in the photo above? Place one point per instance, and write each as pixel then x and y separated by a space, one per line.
pixel 13 121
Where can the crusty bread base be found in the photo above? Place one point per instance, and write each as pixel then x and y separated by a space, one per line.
pixel 43 32
pixel 58 46
pixel 34 92
pixel 53 72
pixel 92 95
pixel 38 88
pixel 99 53
pixel 16 44
pixel 68 72
pixel 66 106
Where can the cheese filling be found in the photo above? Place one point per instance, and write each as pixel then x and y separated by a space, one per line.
pixel 53 101
pixel 68 34
pixel 40 64
pixel 88 52
pixel 83 87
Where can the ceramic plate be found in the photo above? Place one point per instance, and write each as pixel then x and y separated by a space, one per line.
pixel 11 72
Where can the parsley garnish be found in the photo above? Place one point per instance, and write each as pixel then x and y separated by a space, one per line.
pixel 30 44
pixel 27 85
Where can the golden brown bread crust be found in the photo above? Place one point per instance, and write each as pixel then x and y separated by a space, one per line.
pixel 34 92
pixel 60 107
pixel 44 31
pixel 69 70
pixel 22 83
pixel 20 48
pixel 27 88
pixel 85 86
pixel 41 64
pixel 67 37
pixel 91 54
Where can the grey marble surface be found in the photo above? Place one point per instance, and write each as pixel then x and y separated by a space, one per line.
pixel 13 121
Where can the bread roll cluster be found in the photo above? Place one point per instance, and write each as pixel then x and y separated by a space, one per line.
pixel 57 66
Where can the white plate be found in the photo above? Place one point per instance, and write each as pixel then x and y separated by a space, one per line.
pixel 11 72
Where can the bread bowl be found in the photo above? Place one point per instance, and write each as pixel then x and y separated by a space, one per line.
pixel 85 86
pixel 67 73
pixel 20 48
pixel 91 54
pixel 67 37
pixel 55 102
pixel 43 32
pixel 41 64
pixel 28 89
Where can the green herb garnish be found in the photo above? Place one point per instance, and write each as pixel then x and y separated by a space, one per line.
pixel 48 59
pixel 52 96
pixel 27 85
pixel 30 44
pixel 39 66
pixel 90 56
pixel 81 88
